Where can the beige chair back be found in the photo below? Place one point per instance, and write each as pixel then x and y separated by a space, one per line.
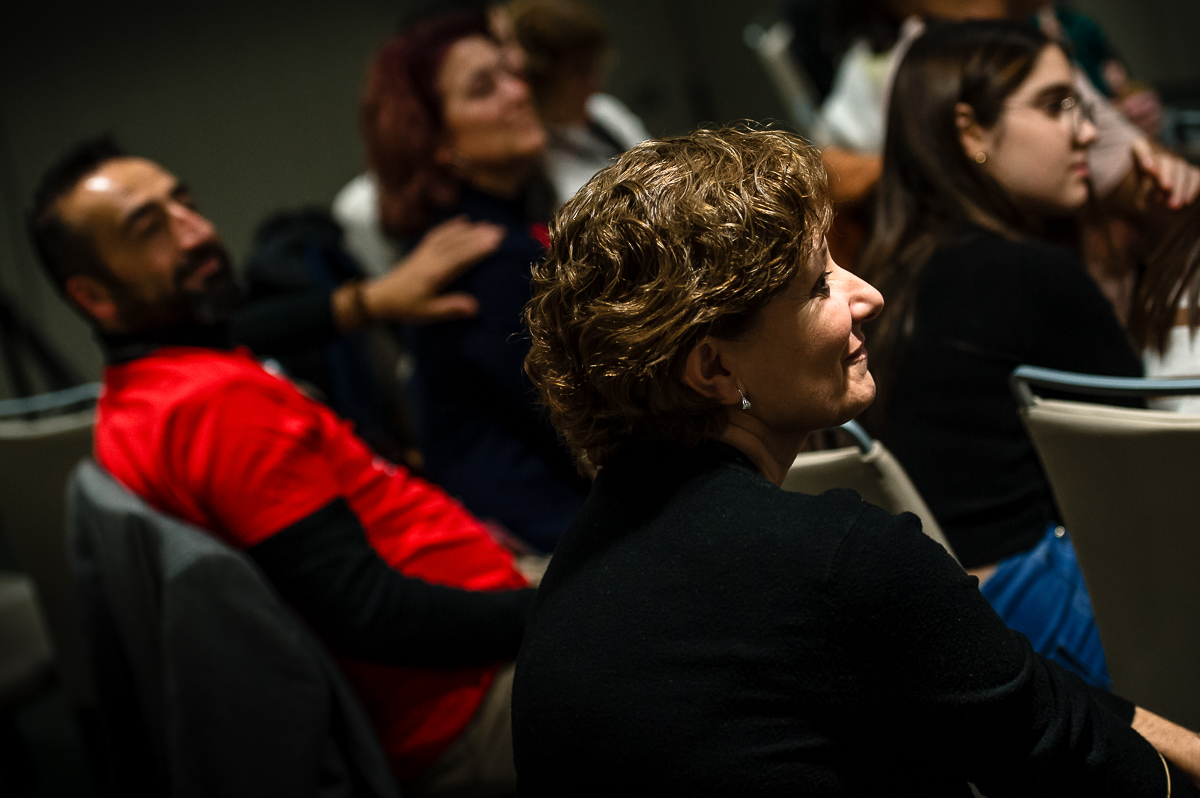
pixel 1127 483
pixel 876 475
pixel 35 458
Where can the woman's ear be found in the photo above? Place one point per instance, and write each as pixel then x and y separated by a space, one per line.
pixel 971 135
pixel 706 374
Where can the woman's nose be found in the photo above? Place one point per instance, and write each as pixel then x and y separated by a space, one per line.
pixel 866 302
pixel 516 88
pixel 1087 133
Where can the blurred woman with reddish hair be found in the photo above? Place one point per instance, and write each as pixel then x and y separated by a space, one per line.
pixel 451 129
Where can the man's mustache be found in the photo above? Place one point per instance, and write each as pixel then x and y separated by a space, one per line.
pixel 198 258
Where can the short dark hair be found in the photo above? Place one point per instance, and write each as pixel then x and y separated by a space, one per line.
pixel 65 251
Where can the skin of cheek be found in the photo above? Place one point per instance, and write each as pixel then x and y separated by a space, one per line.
pixel 493 129
pixel 1044 184
pixel 798 370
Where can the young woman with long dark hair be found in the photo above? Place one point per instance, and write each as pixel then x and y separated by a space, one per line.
pixel 986 149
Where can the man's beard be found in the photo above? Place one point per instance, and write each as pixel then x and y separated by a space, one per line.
pixel 214 303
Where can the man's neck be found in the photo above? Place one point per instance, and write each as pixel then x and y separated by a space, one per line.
pixel 126 346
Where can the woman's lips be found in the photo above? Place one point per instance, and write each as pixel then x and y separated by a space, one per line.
pixel 858 354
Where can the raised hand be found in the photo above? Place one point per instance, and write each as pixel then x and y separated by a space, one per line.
pixel 412 291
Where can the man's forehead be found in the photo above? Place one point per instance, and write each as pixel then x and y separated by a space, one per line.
pixel 116 187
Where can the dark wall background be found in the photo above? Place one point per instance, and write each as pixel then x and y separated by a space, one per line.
pixel 1157 37
pixel 253 102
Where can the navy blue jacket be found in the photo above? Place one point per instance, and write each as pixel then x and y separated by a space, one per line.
pixel 484 438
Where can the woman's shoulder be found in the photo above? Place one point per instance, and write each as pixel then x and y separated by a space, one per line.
pixel 789 519
pixel 842 537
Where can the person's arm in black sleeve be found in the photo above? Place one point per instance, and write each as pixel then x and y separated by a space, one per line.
pixel 325 568
pixel 962 688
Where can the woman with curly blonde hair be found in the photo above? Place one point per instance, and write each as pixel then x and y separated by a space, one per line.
pixel 699 630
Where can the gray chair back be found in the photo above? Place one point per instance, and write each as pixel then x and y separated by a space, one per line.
pixel 208 683
pixel 36 455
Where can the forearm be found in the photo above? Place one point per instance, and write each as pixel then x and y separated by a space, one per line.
pixel 1179 745
pixel 324 566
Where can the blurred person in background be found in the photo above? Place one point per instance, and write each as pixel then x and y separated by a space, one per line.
pixel 356 205
pixel 567 52
pixel 986 150
pixel 419 603
pixel 451 129
pixel 852 124
pixel 873 36
pixel 1166 309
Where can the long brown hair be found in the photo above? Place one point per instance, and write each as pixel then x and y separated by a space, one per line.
pixel 1172 277
pixel 930 190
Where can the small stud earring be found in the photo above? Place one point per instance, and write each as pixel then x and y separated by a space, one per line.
pixel 981 157
pixel 745 401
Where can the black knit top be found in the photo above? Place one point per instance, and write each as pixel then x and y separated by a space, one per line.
pixel 983 307
pixel 702 632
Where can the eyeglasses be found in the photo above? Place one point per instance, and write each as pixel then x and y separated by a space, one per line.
pixel 1071 112
pixel 1076 112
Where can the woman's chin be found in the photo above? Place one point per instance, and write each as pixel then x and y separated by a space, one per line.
pixel 860 400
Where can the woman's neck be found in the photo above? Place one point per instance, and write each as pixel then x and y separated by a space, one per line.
pixel 771 454
pixel 504 181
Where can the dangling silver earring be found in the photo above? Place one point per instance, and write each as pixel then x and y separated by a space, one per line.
pixel 745 401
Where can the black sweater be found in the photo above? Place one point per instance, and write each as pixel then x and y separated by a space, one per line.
pixel 702 632
pixel 982 308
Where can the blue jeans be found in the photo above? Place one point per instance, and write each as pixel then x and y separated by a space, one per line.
pixel 1040 593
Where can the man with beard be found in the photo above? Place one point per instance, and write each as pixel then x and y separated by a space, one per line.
pixel 411 592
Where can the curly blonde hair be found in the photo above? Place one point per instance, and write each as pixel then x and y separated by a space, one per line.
pixel 679 239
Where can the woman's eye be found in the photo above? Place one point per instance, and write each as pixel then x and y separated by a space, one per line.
pixel 822 285
pixel 1056 108
pixel 482 86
